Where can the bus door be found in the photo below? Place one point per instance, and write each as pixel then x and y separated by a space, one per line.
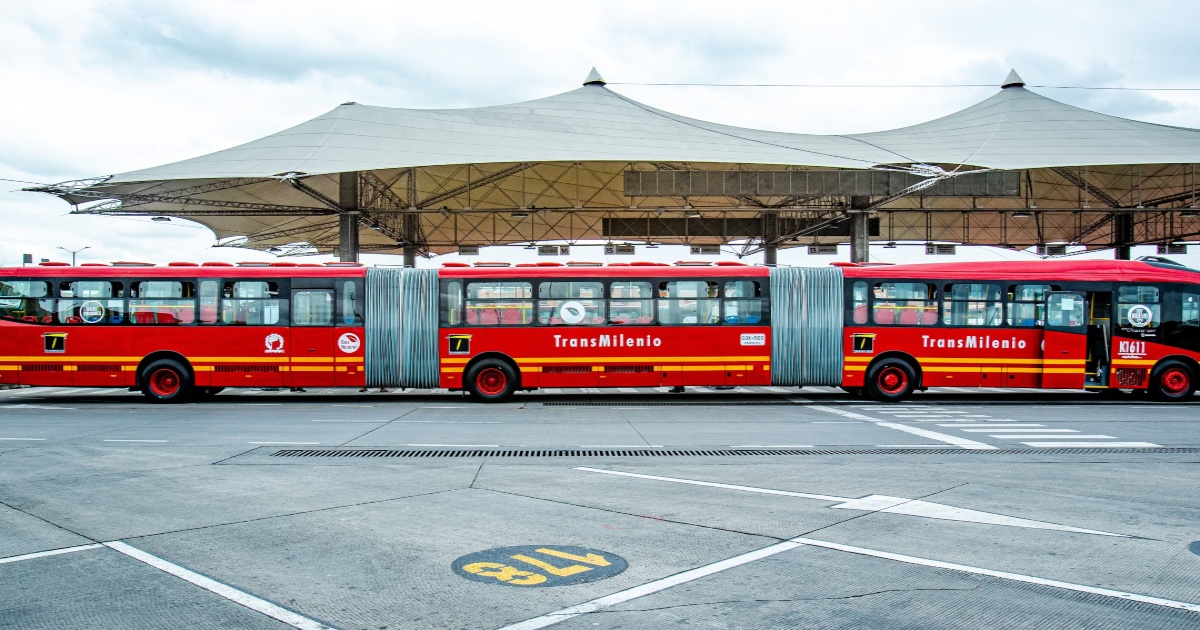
pixel 1064 349
pixel 312 338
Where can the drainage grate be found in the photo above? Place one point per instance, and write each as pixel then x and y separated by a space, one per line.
pixel 655 452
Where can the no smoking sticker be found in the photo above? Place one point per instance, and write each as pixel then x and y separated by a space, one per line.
pixel 539 566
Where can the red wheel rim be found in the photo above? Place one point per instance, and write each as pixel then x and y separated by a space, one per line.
pixel 1175 381
pixel 164 382
pixel 491 381
pixel 892 380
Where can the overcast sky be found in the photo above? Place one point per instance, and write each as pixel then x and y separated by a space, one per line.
pixel 94 88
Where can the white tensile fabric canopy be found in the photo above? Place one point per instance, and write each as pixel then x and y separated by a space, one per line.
pixel 1014 129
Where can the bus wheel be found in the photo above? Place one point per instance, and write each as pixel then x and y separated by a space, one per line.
pixel 1172 380
pixel 491 380
pixel 165 380
pixel 891 380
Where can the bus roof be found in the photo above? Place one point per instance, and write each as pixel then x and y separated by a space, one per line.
pixel 1034 270
pixel 623 271
pixel 177 271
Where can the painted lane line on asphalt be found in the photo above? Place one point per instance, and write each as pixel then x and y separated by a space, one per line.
pixel 627 390
pixel 28 406
pixel 1092 444
pixel 711 484
pixel 43 554
pixel 459 445
pixel 650 588
pixel 1004 575
pixel 289 443
pixel 150 441
pixel 981 424
pixel 274 611
pixel 25 439
pixel 880 503
pixel 932 435
pixel 620 446
pixel 1038 436
pixel 1020 430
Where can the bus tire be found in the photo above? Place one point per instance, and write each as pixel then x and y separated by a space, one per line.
pixel 166 381
pixel 1172 380
pixel 891 380
pixel 491 380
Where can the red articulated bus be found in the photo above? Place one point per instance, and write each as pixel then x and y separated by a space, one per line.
pixel 186 330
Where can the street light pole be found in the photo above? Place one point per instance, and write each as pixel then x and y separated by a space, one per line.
pixel 74 251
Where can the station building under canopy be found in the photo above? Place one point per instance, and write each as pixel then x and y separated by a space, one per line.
pixel 1015 170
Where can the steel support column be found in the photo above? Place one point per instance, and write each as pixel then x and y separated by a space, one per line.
pixel 1122 234
pixel 770 233
pixel 860 229
pixel 347 250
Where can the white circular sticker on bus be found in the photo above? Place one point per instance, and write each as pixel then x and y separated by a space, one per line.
pixel 1140 316
pixel 349 343
pixel 91 312
pixel 571 312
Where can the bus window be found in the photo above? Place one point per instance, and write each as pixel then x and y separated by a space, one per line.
pixel 1138 307
pixel 350 303
pixel 743 302
pixel 553 297
pixel 162 302
pixel 859 298
pixel 312 307
pixel 452 303
pixel 1027 304
pixel 1190 309
pixel 251 303
pixel 208 301
pixel 631 303
pixel 688 302
pixel 971 305
pixel 24 301
pixel 905 303
pixel 90 302
pixel 498 303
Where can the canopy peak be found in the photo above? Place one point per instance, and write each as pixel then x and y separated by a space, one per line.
pixel 1012 80
pixel 593 78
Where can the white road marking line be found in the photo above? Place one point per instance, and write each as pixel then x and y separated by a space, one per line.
pixel 43 554
pixel 999 424
pixel 28 406
pixel 590 390
pixel 710 484
pixel 274 611
pixel 620 446
pixel 976 416
pixel 287 443
pixel 777 390
pixel 154 441
pixel 627 390
pixel 349 405
pixel 263 404
pixel 650 588
pixel 1093 444
pixel 836 422
pixel 1021 431
pixel 426 421
pixel 551 390
pixel 25 439
pixel 445 406
pixel 882 503
pixel 31 390
pixel 932 435
pixel 1004 575
pixel 460 445
pixel 961 390
pixel 1037 436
